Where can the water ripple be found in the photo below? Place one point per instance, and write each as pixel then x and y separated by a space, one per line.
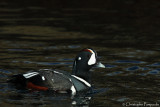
pixel 155 64
pixel 133 68
pixel 114 73
pixel 110 66
pixel 61 47
pixel 20 50
pixel 154 72
pixel 130 61
pixel 44 63
pixel 4 71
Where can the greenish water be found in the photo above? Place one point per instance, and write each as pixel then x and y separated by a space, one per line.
pixel 48 34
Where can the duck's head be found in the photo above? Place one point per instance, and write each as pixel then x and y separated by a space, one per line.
pixel 84 61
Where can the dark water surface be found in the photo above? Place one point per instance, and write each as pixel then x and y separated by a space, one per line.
pixel 41 34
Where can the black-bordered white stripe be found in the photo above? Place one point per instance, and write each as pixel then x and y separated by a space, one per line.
pixel 73 89
pixel 31 74
pixel 82 80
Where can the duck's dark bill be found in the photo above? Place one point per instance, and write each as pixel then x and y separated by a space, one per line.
pixel 100 65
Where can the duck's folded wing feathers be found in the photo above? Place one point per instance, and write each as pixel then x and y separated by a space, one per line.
pixel 55 80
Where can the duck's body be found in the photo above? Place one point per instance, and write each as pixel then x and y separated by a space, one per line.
pixel 60 81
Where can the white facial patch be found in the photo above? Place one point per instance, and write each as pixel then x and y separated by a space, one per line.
pixel 92 59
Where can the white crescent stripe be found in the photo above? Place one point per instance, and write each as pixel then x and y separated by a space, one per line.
pixel 92 59
pixel 73 89
pixel 82 80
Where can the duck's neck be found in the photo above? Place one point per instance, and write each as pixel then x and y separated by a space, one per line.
pixel 83 74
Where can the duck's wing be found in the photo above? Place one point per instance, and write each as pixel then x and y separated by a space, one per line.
pixel 55 80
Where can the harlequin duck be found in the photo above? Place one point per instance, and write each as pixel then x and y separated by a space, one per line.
pixel 61 81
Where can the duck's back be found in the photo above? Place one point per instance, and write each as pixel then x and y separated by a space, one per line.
pixel 49 79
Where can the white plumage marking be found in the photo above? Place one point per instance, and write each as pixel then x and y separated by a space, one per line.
pixel 74 102
pixel 62 92
pixel 79 58
pixel 53 80
pixel 58 72
pixel 82 80
pixel 31 74
pixel 73 90
pixel 92 59
pixel 43 78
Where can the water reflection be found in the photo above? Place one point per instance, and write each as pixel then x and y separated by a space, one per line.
pixel 49 98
